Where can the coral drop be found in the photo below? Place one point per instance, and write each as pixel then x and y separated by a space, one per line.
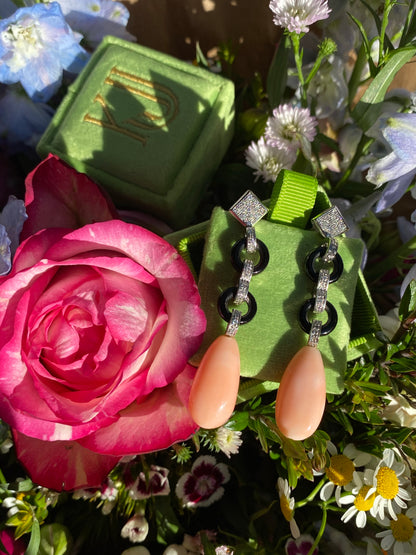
pixel 215 387
pixel 301 396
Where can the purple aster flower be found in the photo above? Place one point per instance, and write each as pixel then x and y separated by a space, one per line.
pixel 97 18
pixel 291 128
pixel 203 485
pixel 155 483
pixel 36 45
pixel 300 546
pixel 297 15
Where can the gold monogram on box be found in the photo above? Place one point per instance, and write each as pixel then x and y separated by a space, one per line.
pixel 147 120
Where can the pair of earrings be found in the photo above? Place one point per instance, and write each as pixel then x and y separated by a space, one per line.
pixel 301 396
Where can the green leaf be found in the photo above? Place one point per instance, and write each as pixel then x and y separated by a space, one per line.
pixel 277 75
pixel 408 302
pixel 366 43
pixel 54 540
pixel 370 106
pixel 33 547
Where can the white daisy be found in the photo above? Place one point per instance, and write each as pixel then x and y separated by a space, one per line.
pixel 291 128
pixel 228 441
pixel 287 506
pixel 386 481
pixel 267 161
pixel 341 470
pixel 402 534
pixel 297 15
pixel 360 502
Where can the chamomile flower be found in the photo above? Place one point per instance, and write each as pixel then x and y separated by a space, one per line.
pixel 341 470
pixel 402 534
pixel 386 482
pixel 267 161
pixel 297 15
pixel 291 128
pixel 287 506
pixel 361 502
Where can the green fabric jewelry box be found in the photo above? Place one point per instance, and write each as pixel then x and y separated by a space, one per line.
pixel 148 127
pixel 271 339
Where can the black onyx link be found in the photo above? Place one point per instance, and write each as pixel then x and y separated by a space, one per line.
pixel 228 295
pixel 326 328
pixel 319 253
pixel 236 256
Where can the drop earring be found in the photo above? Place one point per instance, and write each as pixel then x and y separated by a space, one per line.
pixel 215 388
pixel 301 397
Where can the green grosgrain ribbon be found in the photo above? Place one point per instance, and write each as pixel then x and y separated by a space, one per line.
pixel 293 199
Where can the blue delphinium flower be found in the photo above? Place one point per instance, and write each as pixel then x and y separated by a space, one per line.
pixel 95 19
pixel 36 45
pixel 22 121
pixel 11 223
pixel 398 168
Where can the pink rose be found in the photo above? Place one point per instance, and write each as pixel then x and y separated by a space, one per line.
pixel 97 325
pixel 12 546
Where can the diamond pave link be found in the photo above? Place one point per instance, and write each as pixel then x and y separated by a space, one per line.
pixel 244 281
pixel 331 251
pixel 251 239
pixel 234 323
pixel 321 291
pixel 315 333
pixel 248 209
pixel 330 223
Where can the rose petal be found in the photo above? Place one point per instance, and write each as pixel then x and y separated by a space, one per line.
pixel 62 465
pixel 59 196
pixel 153 423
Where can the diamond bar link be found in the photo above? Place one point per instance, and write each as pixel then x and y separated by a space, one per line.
pixel 244 282
pixel 321 291
pixel 234 323
pixel 331 250
pixel 251 239
pixel 315 333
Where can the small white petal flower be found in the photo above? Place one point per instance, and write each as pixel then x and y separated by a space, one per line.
pixel 291 128
pixel 228 441
pixel 297 15
pixel 402 534
pixel 268 161
pixel 287 506
pixel 386 482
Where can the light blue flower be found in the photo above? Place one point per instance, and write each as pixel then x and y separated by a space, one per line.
pixel 36 45
pixel 23 121
pixel 398 168
pixel 11 222
pixel 97 18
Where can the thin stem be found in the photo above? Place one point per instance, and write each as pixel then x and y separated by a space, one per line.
pixel 321 530
pixel 295 38
pixel 2 478
pixel 311 496
pixel 363 145
pixel 388 4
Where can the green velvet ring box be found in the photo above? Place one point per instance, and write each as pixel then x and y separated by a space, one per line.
pixel 148 127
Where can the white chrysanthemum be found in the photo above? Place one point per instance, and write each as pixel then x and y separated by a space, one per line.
pixel 228 441
pixel 287 506
pixel 297 15
pixel 341 470
pixel 386 481
pixel 360 502
pixel 268 161
pixel 291 128
pixel 402 534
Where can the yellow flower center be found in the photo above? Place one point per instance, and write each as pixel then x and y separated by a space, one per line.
pixel 387 483
pixel 340 470
pixel 285 507
pixel 402 528
pixel 361 503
